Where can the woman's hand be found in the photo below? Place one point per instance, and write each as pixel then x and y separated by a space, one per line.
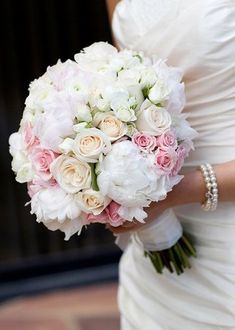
pixel 154 211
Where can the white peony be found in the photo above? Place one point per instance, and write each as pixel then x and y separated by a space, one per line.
pixel 72 174
pixel 129 178
pixel 57 210
pixel 54 204
pixel 152 119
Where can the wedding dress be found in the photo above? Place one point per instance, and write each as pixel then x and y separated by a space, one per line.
pixel 199 37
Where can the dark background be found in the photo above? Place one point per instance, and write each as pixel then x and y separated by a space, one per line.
pixel 33 35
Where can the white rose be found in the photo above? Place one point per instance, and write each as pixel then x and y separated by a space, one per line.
pixel 159 92
pixel 110 125
pixel 72 174
pixel 91 201
pixel 152 119
pixel 25 173
pixel 90 143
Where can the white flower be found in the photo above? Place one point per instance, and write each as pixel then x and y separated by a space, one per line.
pixel 57 210
pixel 128 178
pixel 96 57
pixel 69 226
pixel 159 92
pixel 91 201
pixel 66 146
pixel 152 119
pixel 148 77
pixel 121 103
pixel 72 174
pixel 90 143
pixel 25 173
pixel 183 130
pixel 56 123
pixel 16 143
pixel 110 125
pixel 83 113
pixel 39 90
pixel 20 163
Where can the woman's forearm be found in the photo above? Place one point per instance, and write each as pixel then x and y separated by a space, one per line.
pixel 192 187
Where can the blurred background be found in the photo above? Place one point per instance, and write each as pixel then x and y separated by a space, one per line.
pixel 35 34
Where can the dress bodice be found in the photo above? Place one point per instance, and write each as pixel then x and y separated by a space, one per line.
pixel 199 37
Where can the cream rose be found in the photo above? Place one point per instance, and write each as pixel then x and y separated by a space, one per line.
pixel 110 125
pixel 71 174
pixel 90 143
pixel 91 201
pixel 152 119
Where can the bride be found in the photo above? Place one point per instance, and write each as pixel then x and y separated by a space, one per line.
pixel 199 37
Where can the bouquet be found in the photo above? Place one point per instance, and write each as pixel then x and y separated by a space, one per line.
pixel 101 138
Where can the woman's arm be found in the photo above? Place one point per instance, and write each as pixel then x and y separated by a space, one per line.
pixel 111 4
pixel 191 189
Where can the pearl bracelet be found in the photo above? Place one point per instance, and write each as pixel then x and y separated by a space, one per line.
pixel 211 195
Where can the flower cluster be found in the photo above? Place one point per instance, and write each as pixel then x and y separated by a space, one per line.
pixel 100 138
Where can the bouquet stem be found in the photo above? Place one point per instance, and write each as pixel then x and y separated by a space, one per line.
pixel 175 259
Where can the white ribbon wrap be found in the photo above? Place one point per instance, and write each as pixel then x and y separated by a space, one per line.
pixel 159 235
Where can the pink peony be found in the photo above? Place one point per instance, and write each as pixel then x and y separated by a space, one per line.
pixel 41 160
pixel 37 184
pixel 181 154
pixel 145 142
pixel 165 159
pixel 167 139
pixel 30 140
pixel 109 215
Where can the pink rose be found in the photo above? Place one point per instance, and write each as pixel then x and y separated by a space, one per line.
pixel 41 160
pixel 99 218
pixel 167 139
pixel 109 215
pixel 29 138
pixel 37 184
pixel 114 218
pixel 181 154
pixel 165 159
pixel 145 142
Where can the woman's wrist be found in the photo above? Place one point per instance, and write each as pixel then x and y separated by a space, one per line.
pixel 191 189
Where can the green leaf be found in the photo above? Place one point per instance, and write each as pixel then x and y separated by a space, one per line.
pixel 94 184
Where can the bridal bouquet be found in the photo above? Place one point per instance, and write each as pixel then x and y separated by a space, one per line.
pixel 102 137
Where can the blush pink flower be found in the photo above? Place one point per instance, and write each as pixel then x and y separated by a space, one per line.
pixel 109 215
pixel 30 140
pixel 41 160
pixel 115 219
pixel 167 139
pixel 181 154
pixel 145 142
pixel 37 184
pixel 165 160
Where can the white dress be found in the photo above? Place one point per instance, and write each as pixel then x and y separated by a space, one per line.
pixel 198 36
